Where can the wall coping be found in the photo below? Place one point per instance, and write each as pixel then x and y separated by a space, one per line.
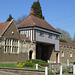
pixel 20 69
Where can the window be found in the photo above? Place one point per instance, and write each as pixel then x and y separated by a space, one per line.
pixel 62 54
pixel 41 33
pixel 11 46
pixel 50 36
pixel 70 54
pixel 57 37
pixel 22 32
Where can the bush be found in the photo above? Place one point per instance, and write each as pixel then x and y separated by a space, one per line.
pixel 62 40
pixel 67 69
pixel 32 63
pixel 38 61
pixel 21 64
pixel 29 64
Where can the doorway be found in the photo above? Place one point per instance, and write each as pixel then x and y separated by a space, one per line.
pixel 30 54
pixel 56 57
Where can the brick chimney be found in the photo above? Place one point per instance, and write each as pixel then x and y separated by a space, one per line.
pixel 32 12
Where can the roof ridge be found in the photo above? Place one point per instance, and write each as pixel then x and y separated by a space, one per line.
pixel 32 19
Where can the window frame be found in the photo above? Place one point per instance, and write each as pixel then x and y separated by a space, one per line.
pixel 71 54
pixel 62 54
pixel 42 33
pixel 50 35
pixel 8 48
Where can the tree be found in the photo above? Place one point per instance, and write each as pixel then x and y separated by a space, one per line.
pixel 62 40
pixel 74 38
pixel 64 35
pixel 20 19
pixel 10 18
pixel 37 9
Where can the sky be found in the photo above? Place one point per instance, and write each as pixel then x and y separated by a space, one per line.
pixel 58 13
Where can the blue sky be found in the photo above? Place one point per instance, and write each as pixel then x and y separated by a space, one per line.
pixel 58 13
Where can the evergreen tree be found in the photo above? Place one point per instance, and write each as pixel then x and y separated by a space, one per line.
pixel 37 9
pixel 10 18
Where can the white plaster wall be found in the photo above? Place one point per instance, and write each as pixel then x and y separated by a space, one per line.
pixel 45 39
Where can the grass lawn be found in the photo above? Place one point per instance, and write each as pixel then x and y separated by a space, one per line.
pixel 8 65
pixel 14 65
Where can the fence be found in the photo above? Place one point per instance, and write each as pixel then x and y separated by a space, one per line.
pixel 55 68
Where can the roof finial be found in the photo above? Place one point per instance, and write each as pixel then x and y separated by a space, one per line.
pixel 32 12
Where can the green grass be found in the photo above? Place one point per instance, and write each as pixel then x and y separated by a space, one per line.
pixel 8 65
pixel 69 62
pixel 14 65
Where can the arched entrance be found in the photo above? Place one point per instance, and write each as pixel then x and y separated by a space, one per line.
pixel 56 57
pixel 30 54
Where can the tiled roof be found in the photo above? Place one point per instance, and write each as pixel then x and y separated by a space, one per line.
pixel 33 21
pixel 70 44
pixel 3 26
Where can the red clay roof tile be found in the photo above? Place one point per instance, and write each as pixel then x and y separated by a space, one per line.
pixel 70 44
pixel 33 21
pixel 3 26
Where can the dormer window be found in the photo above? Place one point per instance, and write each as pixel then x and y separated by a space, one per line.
pixel 50 35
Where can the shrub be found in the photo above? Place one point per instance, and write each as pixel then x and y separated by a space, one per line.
pixel 38 61
pixel 29 64
pixel 20 64
pixel 62 40
pixel 23 64
pixel 32 63
pixel 67 69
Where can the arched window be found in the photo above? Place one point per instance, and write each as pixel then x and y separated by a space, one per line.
pixel 62 54
pixel 70 54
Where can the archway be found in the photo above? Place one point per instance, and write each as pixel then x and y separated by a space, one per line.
pixel 30 54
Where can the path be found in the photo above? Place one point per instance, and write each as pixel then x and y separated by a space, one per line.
pixel 67 74
pixel 11 73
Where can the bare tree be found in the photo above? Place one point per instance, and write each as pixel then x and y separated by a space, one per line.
pixel 20 19
pixel 74 38
pixel 64 34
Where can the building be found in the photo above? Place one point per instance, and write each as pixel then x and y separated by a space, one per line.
pixel 10 43
pixel 41 39
pixel 34 39
pixel 67 52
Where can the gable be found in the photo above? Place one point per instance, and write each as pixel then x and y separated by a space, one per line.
pixel 11 31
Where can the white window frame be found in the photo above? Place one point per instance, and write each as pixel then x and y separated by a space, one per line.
pixel 62 54
pixel 71 54
pixel 14 43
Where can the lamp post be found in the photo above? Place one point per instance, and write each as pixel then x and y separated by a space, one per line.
pixel 67 57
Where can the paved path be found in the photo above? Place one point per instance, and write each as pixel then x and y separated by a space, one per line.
pixel 7 73
pixel 10 73
pixel 66 74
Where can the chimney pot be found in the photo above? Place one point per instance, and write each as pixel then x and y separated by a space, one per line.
pixel 32 12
